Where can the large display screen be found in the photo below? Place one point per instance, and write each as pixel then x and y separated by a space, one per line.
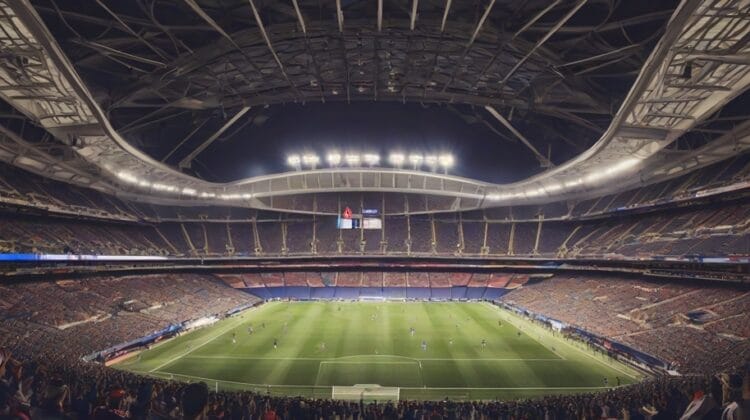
pixel 366 219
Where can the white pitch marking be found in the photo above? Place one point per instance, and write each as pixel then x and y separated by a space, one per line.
pixel 192 349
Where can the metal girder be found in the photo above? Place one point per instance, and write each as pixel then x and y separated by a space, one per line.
pixel 470 43
pixel 540 157
pixel 262 28
pixel 187 160
pixel 127 27
pixel 523 28
pixel 380 15
pixel 339 16
pixel 54 95
pixel 544 39
pixel 445 15
pixel 413 17
pixel 104 49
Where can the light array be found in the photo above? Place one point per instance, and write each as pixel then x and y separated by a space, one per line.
pixel 334 159
pixel 185 191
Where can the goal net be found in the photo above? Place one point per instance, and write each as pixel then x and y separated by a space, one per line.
pixel 367 392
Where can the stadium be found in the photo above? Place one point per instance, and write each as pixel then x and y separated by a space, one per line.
pixel 374 209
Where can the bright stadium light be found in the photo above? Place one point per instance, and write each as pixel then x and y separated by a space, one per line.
pixel 334 158
pixel 294 161
pixel 352 160
pixel 431 161
pixel 397 159
pixel 371 159
pixel 416 160
pixel 446 161
pixel 189 191
pixel 311 160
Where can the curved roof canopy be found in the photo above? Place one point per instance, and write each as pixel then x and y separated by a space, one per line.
pixel 100 86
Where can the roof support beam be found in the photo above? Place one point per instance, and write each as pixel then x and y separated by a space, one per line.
pixel 340 15
pixel 470 43
pixel 316 69
pixel 542 159
pixel 211 22
pixel 380 15
pixel 188 137
pixel 544 39
pixel 528 24
pixel 185 163
pixel 107 50
pixel 150 46
pixel 613 53
pixel 262 28
pixel 445 15
pixel 299 17
pixel 414 5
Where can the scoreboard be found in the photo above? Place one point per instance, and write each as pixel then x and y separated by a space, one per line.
pixel 367 219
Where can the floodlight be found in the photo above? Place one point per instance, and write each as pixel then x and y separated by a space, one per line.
pixel 189 191
pixel 416 159
pixel 334 158
pixel 446 160
pixel 293 160
pixel 352 159
pixel 396 159
pixel 431 161
pixel 310 160
pixel 371 159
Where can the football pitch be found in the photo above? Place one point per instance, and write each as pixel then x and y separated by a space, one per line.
pixel 324 349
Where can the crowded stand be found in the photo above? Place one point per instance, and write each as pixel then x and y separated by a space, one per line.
pixel 96 313
pixel 42 348
pixel 655 317
pixel 716 231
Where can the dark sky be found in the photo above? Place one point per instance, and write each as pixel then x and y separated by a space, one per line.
pixel 367 127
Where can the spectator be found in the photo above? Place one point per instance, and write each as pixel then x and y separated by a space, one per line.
pixel 195 402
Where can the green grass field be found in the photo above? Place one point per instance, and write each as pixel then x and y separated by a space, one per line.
pixel 322 344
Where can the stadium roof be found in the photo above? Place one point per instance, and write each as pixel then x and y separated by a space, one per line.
pixel 128 97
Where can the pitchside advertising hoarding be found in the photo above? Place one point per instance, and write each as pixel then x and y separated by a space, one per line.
pixel 367 219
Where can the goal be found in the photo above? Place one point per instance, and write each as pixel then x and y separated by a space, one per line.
pixel 367 392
